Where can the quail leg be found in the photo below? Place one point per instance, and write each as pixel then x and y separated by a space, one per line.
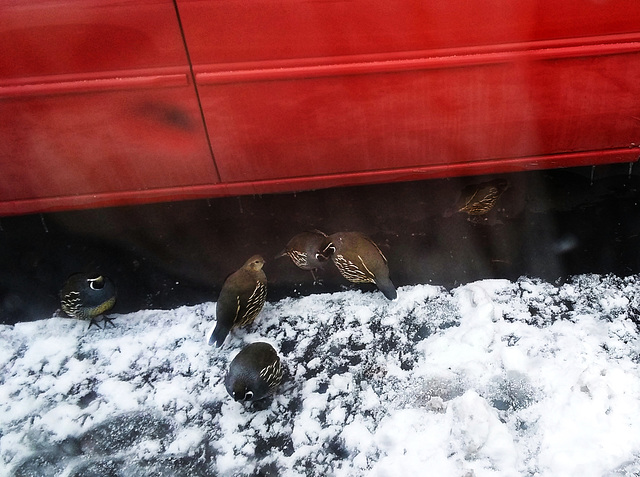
pixel 108 321
pixel 93 322
pixel 316 280
pixel 96 321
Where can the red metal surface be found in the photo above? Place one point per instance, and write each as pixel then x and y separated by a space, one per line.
pixel 55 37
pixel 131 140
pixel 99 105
pixel 53 204
pixel 439 112
pixel 262 30
pixel 96 97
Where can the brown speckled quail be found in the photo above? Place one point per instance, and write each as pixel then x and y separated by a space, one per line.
pixel 88 297
pixel 359 260
pixel 254 373
pixel 480 199
pixel 308 251
pixel 241 299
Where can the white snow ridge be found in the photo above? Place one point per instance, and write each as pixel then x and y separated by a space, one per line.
pixel 494 378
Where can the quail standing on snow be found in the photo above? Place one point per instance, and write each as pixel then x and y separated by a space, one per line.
pixel 254 373
pixel 241 299
pixel 88 297
pixel 308 251
pixel 359 260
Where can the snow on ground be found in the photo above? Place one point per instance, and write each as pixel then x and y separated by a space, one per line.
pixel 494 378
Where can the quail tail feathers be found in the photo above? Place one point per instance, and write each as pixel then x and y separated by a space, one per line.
pixel 386 287
pixel 218 334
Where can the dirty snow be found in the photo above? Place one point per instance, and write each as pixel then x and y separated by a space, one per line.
pixel 494 378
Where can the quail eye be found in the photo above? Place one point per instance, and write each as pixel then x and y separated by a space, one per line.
pixel 248 396
pixel 96 283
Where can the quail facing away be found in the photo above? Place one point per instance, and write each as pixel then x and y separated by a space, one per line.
pixel 254 373
pixel 479 199
pixel 359 260
pixel 308 251
pixel 241 299
pixel 88 297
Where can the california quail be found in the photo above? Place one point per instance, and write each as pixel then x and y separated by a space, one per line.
pixel 479 199
pixel 359 260
pixel 254 373
pixel 88 297
pixel 308 251
pixel 241 299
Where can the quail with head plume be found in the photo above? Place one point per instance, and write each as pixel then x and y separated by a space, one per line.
pixel 308 251
pixel 359 260
pixel 241 299
pixel 480 199
pixel 88 297
pixel 254 373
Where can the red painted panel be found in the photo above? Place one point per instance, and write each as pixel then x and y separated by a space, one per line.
pixel 98 142
pixel 317 182
pixel 96 97
pixel 228 31
pixel 48 37
pixel 523 104
pixel 97 105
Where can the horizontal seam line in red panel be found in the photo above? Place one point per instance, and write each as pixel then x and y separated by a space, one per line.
pixel 273 70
